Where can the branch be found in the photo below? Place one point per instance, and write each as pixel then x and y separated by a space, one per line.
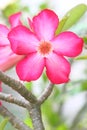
pixel 35 114
pixel 18 86
pixel 9 98
pixel 17 123
pixel 46 93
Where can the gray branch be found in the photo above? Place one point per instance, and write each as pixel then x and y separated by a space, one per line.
pixel 16 122
pixel 46 93
pixel 9 98
pixel 18 86
pixel 35 114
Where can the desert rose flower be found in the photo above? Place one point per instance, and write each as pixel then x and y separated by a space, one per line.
pixel 7 57
pixel 42 49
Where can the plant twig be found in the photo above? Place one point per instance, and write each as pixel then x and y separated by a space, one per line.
pixel 35 114
pixel 16 122
pixel 46 93
pixel 9 98
pixel 18 86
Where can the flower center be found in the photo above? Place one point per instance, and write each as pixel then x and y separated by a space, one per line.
pixel 45 48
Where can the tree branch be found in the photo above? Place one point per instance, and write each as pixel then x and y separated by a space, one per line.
pixel 35 114
pixel 46 93
pixel 9 98
pixel 17 123
pixel 18 86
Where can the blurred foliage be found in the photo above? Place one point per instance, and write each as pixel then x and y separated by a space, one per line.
pixel 85 40
pixel 61 24
pixel 84 85
pixel 28 85
pixel 13 8
pixel 28 122
pixel 84 57
pixel 50 110
pixel 3 123
pixel 62 127
pixel 71 17
pixel 43 6
pixel 83 123
pixel 44 77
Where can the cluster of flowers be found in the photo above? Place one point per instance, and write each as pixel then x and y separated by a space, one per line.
pixel 37 47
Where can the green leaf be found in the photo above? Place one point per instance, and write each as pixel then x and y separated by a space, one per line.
pixel 28 122
pixel 62 127
pixel 45 79
pixel 81 57
pixel 61 24
pixel 43 6
pixel 84 86
pixel 28 85
pixel 3 123
pixel 85 40
pixel 74 15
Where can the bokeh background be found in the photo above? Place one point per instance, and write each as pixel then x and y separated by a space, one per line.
pixel 67 106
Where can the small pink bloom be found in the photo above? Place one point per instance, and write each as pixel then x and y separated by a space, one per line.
pixel 43 49
pixel 7 57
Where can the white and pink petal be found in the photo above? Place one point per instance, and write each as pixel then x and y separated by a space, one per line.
pixel 45 24
pixel 57 69
pixel 31 67
pixel 15 19
pixel 3 35
pixel 22 40
pixel 68 44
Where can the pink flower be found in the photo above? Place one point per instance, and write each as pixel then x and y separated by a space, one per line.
pixel 43 49
pixel 7 58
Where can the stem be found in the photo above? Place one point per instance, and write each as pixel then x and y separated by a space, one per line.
pixel 46 93
pixel 35 114
pixel 18 86
pixel 9 98
pixel 17 123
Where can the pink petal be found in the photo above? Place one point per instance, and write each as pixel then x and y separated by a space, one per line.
pixel 45 24
pixel 10 61
pixel 68 44
pixel 5 51
pixel 57 69
pixel 15 19
pixel 3 35
pixel 22 40
pixel 31 67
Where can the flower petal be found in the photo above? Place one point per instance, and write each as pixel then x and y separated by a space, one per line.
pixel 10 61
pixel 15 19
pixel 57 69
pixel 31 67
pixel 45 24
pixel 68 44
pixel 22 40
pixel 3 35
pixel 5 51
